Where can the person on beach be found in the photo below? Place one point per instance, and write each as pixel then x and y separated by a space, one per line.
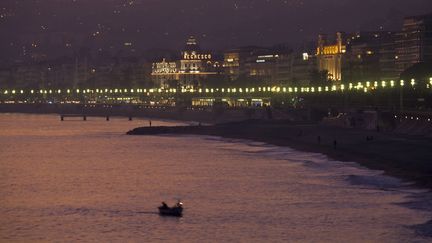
pixel 334 144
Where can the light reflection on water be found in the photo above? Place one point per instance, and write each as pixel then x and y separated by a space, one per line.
pixel 74 180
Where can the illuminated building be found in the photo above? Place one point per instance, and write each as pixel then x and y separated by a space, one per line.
pixel 269 66
pixel 231 64
pixel 194 67
pixel 414 43
pixel 369 56
pixel 235 60
pixel 193 60
pixel 329 56
pixel 264 67
pixel 358 56
pixel 164 72
pixel 387 59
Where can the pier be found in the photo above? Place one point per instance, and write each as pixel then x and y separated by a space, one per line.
pixel 85 116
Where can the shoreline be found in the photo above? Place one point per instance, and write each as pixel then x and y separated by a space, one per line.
pixel 189 114
pixel 402 156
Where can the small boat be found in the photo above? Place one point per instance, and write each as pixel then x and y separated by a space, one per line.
pixel 176 211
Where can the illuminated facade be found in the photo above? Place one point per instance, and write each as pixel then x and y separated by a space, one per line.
pixel 269 66
pixel 329 56
pixel 194 67
pixel 164 72
pixel 164 67
pixel 232 64
pixel 237 61
pixel 264 67
pixel 193 59
pixel 369 56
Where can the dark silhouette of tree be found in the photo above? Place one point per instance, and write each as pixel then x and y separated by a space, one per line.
pixel 245 80
pixel 172 83
pixel 420 72
pixel 216 81
pixel 319 77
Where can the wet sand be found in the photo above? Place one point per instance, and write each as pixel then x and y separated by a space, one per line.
pixel 402 156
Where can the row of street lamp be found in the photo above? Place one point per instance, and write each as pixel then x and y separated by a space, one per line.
pixel 360 86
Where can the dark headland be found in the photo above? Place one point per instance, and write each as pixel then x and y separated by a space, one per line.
pixel 403 156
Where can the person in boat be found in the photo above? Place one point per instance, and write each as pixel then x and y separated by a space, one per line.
pixel 164 205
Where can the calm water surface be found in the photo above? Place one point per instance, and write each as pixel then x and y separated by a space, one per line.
pixel 87 181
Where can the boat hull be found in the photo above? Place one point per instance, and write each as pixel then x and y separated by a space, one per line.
pixel 175 211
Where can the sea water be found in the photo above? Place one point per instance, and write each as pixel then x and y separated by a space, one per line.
pixel 87 181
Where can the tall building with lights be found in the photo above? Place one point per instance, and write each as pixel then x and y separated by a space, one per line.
pixel 414 43
pixel 329 56
pixel 370 56
pixel 278 65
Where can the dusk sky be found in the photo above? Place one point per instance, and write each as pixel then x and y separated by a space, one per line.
pixel 215 121
pixel 217 24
